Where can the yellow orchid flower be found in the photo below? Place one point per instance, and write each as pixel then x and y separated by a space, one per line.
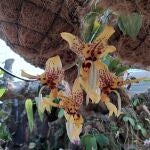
pixel 74 127
pixel 52 76
pixel 109 82
pixel 89 53
pixel 71 105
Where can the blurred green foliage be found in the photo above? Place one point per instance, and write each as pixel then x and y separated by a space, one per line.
pixel 136 124
pixel 95 141
pixel 2 91
pixel 130 24
pixel 91 26
pixel 4 133
pixel 115 65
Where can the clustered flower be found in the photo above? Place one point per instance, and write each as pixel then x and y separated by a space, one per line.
pixel 94 78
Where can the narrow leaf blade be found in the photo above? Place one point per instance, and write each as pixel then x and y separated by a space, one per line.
pixel 29 110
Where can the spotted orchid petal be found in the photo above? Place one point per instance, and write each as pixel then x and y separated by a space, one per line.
pixel 73 132
pixel 74 127
pixel 75 44
pixel 69 105
pixel 106 79
pixel 105 35
pixel 99 53
pixel 77 93
pixel 53 74
pixel 99 47
pixel 75 118
pixel 53 63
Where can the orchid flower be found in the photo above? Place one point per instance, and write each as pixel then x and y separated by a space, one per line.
pixel 94 74
pixel 71 105
pixel 109 82
pixel 52 76
pixel 89 53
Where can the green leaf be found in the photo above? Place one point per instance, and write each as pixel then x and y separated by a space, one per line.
pixel 60 113
pixel 89 141
pixel 97 29
pixel 2 91
pixel 91 27
pixel 29 110
pixel 88 27
pixel 130 24
pixel 4 132
pixel 130 120
pixel 56 100
pixel 102 140
pixel 138 127
pixel 114 65
pixel 121 69
pixel 136 102
pixel 143 131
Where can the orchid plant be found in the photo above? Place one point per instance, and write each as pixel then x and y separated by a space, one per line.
pixel 94 78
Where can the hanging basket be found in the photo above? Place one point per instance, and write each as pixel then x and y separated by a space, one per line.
pixel 32 28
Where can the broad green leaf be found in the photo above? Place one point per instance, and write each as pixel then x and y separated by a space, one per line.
pixel 102 140
pixel 2 91
pixel 29 110
pixel 138 127
pixel 60 113
pixel 89 141
pixel 130 24
pixel 130 120
pixel 143 131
